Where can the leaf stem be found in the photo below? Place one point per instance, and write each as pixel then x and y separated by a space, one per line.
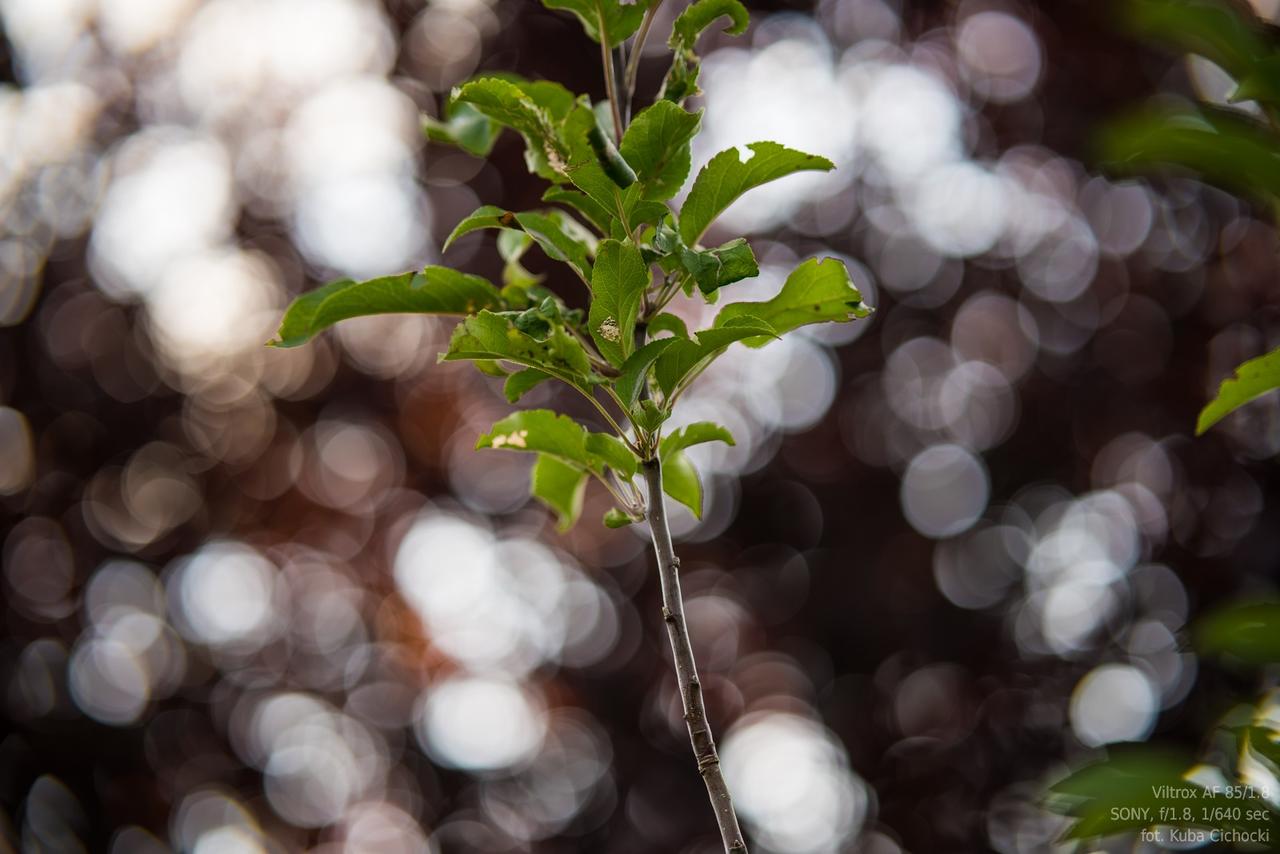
pixel 637 48
pixel 695 713
pixel 610 86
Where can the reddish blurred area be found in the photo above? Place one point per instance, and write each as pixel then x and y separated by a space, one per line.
pixel 273 599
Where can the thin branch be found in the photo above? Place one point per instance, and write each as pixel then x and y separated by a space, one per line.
pixel 695 713
pixel 637 48
pixel 610 87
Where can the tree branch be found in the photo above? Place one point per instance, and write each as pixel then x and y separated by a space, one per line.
pixel 695 713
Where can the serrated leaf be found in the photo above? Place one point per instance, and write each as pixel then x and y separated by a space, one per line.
pixel 657 147
pixel 507 103
pixel 681 482
pixel 561 486
pixel 632 374
pixel 491 336
pixel 685 356
pixel 616 518
pixel 1252 379
pixel 614 452
pixel 436 290
pixel 815 292
pixel 609 21
pixel 726 177
pixel 1248 632
pixel 1221 32
pixel 1223 146
pixel 696 433
pixel 618 283
pixel 521 382
pixel 696 17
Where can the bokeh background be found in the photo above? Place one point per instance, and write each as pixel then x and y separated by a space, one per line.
pixel 260 600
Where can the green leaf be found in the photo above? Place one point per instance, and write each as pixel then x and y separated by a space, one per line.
pixel 492 336
pixel 696 433
pixel 543 431
pixel 594 212
pixel 615 166
pixel 648 416
pixel 631 376
pixel 680 481
pixel 521 382
pixel 485 216
pixel 463 126
pixel 657 147
pixel 1248 632
pixel 616 518
pixel 609 21
pixel 1223 146
pixel 815 292
pixel 508 104
pixel 667 322
pixel 618 282
pixel 1128 791
pixel 557 234
pixel 726 177
pixel 687 355
pixel 436 290
pixel 1211 28
pixel 561 486
pixel 489 367
pixel 737 262
pixel 1262 83
pixel 696 17
pixel 614 452
pixel 1253 379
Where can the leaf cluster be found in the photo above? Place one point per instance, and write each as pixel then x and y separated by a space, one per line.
pixel 1226 146
pixel 628 252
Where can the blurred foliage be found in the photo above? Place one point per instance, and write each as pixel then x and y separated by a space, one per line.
pixel 1239 150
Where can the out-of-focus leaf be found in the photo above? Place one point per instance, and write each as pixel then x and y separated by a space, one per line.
pixel 726 177
pixel 561 486
pixel 1223 147
pixel 681 80
pixel 1253 379
pixel 617 284
pixel 696 17
pixel 1248 632
pixel 667 322
pixel 1228 34
pixel 519 383
pixel 609 21
pixel 657 147
pixel 686 355
pixel 465 127
pixel 436 290
pixel 815 292
pixel 491 336
pixel 1128 790
pixel 616 518
pixel 680 481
